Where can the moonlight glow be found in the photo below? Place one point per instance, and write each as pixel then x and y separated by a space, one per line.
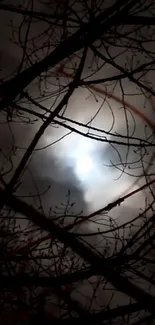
pixel 84 165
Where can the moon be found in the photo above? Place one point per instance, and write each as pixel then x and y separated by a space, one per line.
pixel 84 165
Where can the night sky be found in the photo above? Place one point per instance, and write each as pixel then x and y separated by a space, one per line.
pixel 65 166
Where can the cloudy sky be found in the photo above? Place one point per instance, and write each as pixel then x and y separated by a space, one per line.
pixel 67 169
pixel 89 169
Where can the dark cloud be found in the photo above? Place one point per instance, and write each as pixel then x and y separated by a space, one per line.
pixel 60 186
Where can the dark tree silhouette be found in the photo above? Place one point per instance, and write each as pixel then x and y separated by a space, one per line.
pixel 59 262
